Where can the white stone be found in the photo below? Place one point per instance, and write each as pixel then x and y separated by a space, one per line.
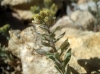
pixel 85 50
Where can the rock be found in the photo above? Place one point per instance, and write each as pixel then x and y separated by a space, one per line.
pixel 85 50
pixel 64 22
pixel 23 45
pixel 14 44
pixel 11 18
pixel 25 4
pixel 82 1
pixel 24 14
pixel 84 19
pixel 14 2
pixel 85 6
pixel 77 20
pixel 22 7
pixel 85 46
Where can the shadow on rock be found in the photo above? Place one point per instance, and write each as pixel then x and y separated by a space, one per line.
pixel 73 71
pixel 90 65
pixel 8 16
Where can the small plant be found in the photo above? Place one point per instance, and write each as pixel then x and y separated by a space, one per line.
pixel 48 5
pixel 5 58
pixel 60 56
pixel 8 62
pixel 4 30
pixel 4 54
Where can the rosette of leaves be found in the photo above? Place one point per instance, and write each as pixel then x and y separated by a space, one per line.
pixel 46 19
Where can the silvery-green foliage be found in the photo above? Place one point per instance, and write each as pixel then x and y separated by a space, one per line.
pixel 46 19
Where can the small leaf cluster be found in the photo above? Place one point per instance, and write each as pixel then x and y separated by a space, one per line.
pixel 61 63
pixel 8 62
pixel 60 56
pixel 4 54
pixel 4 30
pixel 49 9
pixel 44 17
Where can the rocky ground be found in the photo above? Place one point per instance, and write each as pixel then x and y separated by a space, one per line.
pixel 78 25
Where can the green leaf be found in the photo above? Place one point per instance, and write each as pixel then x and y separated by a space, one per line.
pixel 57 28
pixel 45 44
pixel 68 70
pixel 3 54
pixel 45 37
pixel 57 63
pixel 64 44
pixel 52 35
pixel 67 57
pixel 58 69
pixel 51 57
pixel 44 27
pixel 11 57
pixel 57 56
pixel 54 57
pixel 60 36
pixel 41 51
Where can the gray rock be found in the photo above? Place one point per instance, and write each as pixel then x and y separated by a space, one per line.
pixel 82 20
pixel 85 51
